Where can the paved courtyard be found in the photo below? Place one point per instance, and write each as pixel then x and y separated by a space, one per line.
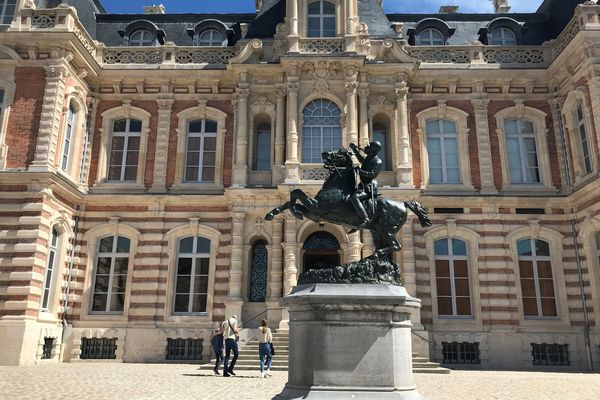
pixel 163 381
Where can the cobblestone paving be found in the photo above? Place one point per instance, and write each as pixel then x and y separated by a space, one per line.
pixel 104 381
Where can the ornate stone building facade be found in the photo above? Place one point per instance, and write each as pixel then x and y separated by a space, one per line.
pixel 139 153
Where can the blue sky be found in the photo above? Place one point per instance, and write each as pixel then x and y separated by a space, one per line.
pixel 408 6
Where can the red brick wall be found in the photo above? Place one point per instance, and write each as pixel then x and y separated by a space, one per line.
pixel 24 118
pixel 96 139
pixel 493 108
pixel 552 139
pixel 416 106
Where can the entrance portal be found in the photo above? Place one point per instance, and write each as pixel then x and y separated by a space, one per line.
pixel 320 250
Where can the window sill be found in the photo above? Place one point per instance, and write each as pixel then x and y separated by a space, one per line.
pixel 188 317
pixel 457 322
pixel 111 187
pixel 448 188
pixel 529 188
pixel 542 322
pixel 197 188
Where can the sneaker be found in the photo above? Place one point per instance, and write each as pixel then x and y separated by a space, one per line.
pixel 216 372
pixel 226 375
pixel 262 375
pixel 231 372
pixel 268 373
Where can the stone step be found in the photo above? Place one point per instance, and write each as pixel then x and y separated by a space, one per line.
pixel 431 370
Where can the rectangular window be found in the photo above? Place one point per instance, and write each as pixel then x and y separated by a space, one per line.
pixel 521 148
pixel 7 11
pixel 537 283
pixel 556 355
pixel 201 151
pixel 452 278
pixel 460 353
pixel 442 150
pixel 583 138
pixel 191 283
pixel 110 280
pixel 184 349
pixel 67 142
pixel 98 349
pixel 124 150
pixel 52 255
pixel 262 149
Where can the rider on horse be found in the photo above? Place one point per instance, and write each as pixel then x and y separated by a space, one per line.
pixel 369 169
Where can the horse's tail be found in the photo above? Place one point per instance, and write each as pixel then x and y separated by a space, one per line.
pixel 415 207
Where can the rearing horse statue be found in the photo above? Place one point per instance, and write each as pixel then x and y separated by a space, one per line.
pixel 332 204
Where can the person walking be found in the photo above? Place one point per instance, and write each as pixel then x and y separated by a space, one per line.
pixel 265 340
pixel 230 333
pixel 217 344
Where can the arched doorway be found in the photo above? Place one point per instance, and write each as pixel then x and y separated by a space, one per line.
pixel 258 272
pixel 320 250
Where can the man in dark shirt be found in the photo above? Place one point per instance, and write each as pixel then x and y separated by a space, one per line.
pixel 369 169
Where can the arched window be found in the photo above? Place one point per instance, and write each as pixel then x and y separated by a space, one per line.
pixel 191 281
pixel 521 148
pixel 110 279
pixel 537 283
pixel 502 37
pixel 442 151
pixel 124 150
pixel 70 123
pixel 452 278
pixel 7 11
pixel 321 19
pixel 142 37
pixel 201 151
pixel 321 130
pixel 258 272
pixel 262 148
pixel 380 134
pixel 321 250
pixel 50 268
pixel 430 37
pixel 586 160
pixel 210 37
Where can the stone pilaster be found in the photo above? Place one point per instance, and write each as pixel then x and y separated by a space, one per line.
pixel 234 302
pixel 484 146
pixel 594 86
pixel 368 247
pixel 351 105
pixel 560 134
pixel 407 258
pixel 404 173
pixel 290 269
pixel 279 164
pixel 292 164
pixel 159 182
pixel 240 168
pixel 354 247
pixel 52 110
pixel 87 144
pixel 292 14
pixel 363 114
pixel 276 271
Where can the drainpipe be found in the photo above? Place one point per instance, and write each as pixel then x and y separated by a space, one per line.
pixel 586 329
pixel 65 321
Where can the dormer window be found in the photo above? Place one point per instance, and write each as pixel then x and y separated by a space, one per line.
pixel 210 37
pixel 502 37
pixel 142 37
pixel 7 11
pixel 430 37
pixel 321 19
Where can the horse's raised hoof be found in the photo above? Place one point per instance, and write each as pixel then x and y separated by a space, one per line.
pixel 269 217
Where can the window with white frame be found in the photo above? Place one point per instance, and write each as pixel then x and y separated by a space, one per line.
pixel 7 11
pixel 262 148
pixel 380 135
pixel 502 37
pixel 452 278
pixel 201 151
pixel 69 126
pixel 321 19
pixel 110 278
pixel 442 151
pixel 142 37
pixel 211 37
pixel 586 156
pixel 321 130
pixel 537 282
pixel 191 280
pixel 430 37
pixel 124 150
pixel 522 152
pixel 50 268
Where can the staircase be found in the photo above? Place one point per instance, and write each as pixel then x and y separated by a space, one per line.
pixel 248 358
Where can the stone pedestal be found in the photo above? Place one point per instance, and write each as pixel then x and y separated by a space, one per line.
pixel 350 342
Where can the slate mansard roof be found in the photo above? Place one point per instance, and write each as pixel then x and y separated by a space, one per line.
pixel 535 28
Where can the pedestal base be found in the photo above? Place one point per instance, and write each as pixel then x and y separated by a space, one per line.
pixel 350 342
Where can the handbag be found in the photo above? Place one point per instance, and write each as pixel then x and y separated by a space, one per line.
pixel 237 337
pixel 272 348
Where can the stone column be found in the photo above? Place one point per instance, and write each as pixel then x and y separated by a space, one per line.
pixel 354 247
pixel 159 183
pixel 292 164
pixel 363 114
pixel 483 146
pixel 240 169
pixel 274 315
pixel 368 247
pixel 52 113
pixel 234 302
pixel 560 133
pixel 292 22
pixel 351 104
pixel 290 270
pixel 279 169
pixel 404 175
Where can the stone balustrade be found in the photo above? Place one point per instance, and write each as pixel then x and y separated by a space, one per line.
pixel 313 172
pixel 322 46
pixel 168 54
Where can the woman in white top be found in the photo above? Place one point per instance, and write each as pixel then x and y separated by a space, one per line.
pixel 265 337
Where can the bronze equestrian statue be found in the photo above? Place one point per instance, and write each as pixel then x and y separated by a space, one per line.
pixel 335 201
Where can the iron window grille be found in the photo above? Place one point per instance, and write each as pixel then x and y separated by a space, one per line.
pixel 47 348
pixel 98 349
pixel 184 349
pixel 555 355
pixel 460 353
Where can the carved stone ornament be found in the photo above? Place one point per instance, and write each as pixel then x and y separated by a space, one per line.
pixel 263 104
pixel 321 72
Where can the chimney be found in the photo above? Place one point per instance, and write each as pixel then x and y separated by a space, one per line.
pixel 153 9
pixel 448 9
pixel 501 6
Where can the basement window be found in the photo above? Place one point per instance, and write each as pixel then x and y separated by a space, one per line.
pixel 184 349
pixel 98 349
pixel 47 348
pixel 460 353
pixel 554 355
